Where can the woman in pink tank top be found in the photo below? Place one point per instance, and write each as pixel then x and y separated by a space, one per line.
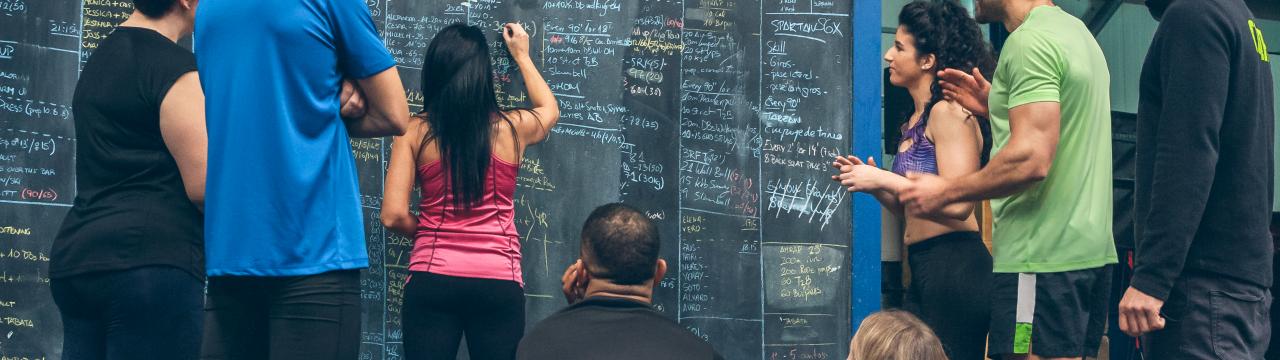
pixel 464 153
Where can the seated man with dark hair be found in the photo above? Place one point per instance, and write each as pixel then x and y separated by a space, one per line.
pixel 610 291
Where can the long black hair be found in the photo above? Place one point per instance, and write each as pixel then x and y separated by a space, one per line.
pixel 460 107
pixel 945 30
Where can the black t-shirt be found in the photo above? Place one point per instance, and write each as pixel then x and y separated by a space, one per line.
pixel 131 208
pixel 611 328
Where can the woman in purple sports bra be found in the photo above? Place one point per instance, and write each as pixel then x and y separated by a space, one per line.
pixel 950 266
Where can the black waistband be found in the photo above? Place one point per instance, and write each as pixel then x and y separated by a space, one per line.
pixel 947 238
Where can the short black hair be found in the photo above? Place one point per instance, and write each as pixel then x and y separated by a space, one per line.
pixel 153 8
pixel 620 244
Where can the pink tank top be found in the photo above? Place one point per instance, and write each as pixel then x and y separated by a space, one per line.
pixel 478 243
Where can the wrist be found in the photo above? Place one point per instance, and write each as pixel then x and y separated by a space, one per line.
pixel 1152 285
pixel 949 193
pixel 877 181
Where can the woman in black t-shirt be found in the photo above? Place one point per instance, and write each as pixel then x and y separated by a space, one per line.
pixel 128 263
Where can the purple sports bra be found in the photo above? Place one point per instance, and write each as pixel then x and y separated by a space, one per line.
pixel 921 156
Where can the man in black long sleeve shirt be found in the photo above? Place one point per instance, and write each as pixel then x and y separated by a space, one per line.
pixel 1204 185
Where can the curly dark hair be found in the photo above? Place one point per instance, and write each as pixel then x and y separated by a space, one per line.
pixel 945 30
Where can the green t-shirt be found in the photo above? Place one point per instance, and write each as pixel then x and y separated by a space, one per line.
pixel 1064 222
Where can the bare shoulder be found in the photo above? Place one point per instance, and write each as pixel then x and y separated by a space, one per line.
pixel 518 117
pixel 949 121
pixel 949 113
pixel 418 126
pixel 417 129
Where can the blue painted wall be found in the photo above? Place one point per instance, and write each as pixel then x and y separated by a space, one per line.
pixel 865 289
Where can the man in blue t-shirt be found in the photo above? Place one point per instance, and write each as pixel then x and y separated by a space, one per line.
pixel 283 232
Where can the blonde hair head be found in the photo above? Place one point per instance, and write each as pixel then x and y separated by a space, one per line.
pixel 895 335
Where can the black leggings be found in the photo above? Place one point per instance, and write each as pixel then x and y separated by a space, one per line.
pixel 151 312
pixel 312 317
pixel 439 309
pixel 951 291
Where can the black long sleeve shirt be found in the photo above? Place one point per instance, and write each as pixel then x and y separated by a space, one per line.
pixel 1204 152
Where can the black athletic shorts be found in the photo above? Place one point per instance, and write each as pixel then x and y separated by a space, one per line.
pixel 1060 314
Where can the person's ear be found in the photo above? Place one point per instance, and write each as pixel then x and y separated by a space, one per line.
pixel 929 62
pixel 659 272
pixel 584 276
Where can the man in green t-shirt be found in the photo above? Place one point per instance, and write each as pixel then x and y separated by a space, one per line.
pixel 1049 180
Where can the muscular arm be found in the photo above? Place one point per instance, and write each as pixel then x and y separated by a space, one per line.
pixel 1023 162
pixel 387 112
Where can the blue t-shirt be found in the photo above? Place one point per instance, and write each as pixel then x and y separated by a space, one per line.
pixel 281 197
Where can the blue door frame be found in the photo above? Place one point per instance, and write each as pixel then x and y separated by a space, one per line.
pixel 867 133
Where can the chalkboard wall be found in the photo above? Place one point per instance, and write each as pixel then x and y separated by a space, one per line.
pixel 717 117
